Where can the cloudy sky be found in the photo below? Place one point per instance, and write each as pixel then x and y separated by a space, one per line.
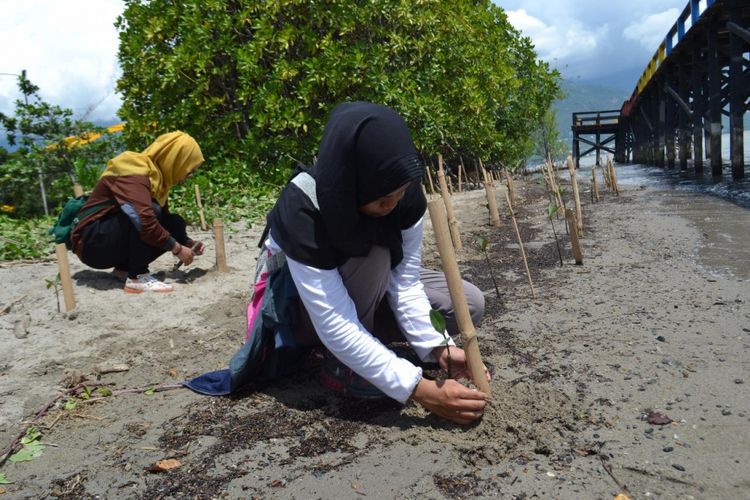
pixel 68 48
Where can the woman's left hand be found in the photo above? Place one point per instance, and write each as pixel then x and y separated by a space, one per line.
pixel 459 368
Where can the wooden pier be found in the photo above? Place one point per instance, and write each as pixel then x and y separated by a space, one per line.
pixel 698 77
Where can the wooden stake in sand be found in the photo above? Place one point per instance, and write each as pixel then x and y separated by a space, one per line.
pixel 221 258
pixel 77 190
pixel 429 178
pixel 67 283
pixel 553 183
pixel 576 196
pixel 520 244
pixel 455 233
pixel 460 171
pixel 200 207
pixel 511 185
pixel 571 220
pixel 613 177
pixel 456 290
pixel 594 186
pixel 491 201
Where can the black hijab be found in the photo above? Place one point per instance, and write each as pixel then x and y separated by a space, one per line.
pixel 366 153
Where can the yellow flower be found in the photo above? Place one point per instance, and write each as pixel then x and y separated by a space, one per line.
pixel 7 208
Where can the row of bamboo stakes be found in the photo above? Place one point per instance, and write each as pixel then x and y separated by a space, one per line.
pixel 63 264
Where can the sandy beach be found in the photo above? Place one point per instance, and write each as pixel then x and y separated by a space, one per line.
pixel 656 320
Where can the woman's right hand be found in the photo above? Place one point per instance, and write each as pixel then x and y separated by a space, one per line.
pixel 451 400
pixel 185 254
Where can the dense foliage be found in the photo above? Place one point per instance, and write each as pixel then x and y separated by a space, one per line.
pixel 253 81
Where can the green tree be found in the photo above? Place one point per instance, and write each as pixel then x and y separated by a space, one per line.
pixel 547 141
pixel 254 81
pixel 47 155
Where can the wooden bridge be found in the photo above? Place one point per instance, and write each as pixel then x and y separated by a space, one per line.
pixel 699 74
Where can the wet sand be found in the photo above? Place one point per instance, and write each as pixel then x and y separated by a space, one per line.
pixel 657 319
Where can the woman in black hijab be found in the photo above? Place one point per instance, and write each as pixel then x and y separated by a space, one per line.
pixel 349 232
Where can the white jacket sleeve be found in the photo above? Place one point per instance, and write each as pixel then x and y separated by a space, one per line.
pixel 334 317
pixel 408 300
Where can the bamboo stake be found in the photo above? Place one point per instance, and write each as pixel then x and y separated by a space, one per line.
pixel 576 196
pixel 77 190
pixel 511 186
pixel 200 207
pixel 429 178
pixel 455 233
pixel 520 244
pixel 458 297
pixel 221 258
pixel 570 218
pixel 460 171
pixel 594 186
pixel 605 174
pixel 555 186
pixel 450 185
pixel 491 201
pixel 613 176
pixel 64 269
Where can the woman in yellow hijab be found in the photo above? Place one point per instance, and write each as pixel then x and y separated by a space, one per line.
pixel 127 223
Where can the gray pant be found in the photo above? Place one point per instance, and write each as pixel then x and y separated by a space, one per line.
pixel 366 280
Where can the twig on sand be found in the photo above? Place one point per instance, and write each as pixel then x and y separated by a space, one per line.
pixel 74 391
pixel 7 307
pixel 14 445
pixel 608 470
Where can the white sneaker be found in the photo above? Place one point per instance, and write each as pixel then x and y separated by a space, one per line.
pixel 146 283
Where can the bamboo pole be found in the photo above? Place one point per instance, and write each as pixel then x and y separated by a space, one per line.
pixel 450 184
pixel 63 268
pixel 221 257
pixel 458 297
pixel 455 232
pixel 520 244
pixel 555 185
pixel 605 174
pixel 77 190
pixel 570 218
pixel 576 196
pixel 429 178
pixel 613 176
pixel 594 186
pixel 460 171
pixel 511 186
pixel 200 207
pixel 491 201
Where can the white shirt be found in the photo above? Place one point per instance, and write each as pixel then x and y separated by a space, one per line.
pixel 334 317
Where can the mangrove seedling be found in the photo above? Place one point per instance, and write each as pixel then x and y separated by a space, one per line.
pixel 56 284
pixel 438 323
pixel 552 210
pixel 483 244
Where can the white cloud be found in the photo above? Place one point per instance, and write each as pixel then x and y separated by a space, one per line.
pixel 566 40
pixel 69 50
pixel 651 30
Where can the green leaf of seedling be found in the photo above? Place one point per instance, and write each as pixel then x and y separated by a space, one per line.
pixel 482 243
pixel 32 434
pixel 4 480
pixel 551 209
pixel 49 282
pixel 149 392
pixel 446 341
pixel 27 453
pixel 71 404
pixel 104 391
pixel 437 320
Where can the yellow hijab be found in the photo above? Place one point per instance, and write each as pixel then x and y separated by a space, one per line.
pixel 171 157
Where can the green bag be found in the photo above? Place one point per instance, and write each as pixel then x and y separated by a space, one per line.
pixel 70 216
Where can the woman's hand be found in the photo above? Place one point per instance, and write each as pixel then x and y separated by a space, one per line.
pixel 197 246
pixel 185 254
pixel 450 400
pixel 458 367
